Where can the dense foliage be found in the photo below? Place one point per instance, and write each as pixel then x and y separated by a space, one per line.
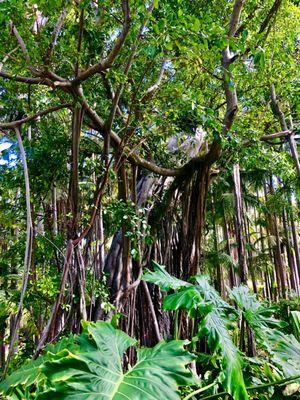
pixel 133 131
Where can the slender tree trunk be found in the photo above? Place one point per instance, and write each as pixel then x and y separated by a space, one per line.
pixel 54 210
pixel 290 255
pixel 250 254
pixel 278 251
pixel 295 237
pixel 28 250
pixel 239 224
pixel 232 277
pixel 219 282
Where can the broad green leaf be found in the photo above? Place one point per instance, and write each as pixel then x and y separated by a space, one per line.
pixel 24 376
pixel 210 294
pixel 188 298
pixel 283 349
pixel 96 371
pixel 215 327
pixel 256 314
pixel 30 373
pixel 296 323
pixel 163 279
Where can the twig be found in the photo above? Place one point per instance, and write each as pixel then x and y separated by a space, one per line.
pixel 55 35
pixel 15 31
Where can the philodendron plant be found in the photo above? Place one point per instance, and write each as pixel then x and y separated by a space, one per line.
pixel 217 321
pixel 90 367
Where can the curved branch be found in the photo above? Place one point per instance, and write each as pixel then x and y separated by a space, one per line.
pixel 15 124
pixel 55 35
pixel 152 89
pixel 235 17
pixel 191 165
pixel 21 42
pixel 26 79
pixel 108 61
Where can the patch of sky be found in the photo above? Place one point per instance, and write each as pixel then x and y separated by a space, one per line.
pixel 7 155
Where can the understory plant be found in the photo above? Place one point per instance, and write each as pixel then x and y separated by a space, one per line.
pixel 222 326
pixel 95 364
pixel 91 366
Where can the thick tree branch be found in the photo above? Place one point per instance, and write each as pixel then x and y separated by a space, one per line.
pixel 276 135
pixel 27 79
pixel 273 11
pixel 280 115
pixel 230 91
pixel 235 17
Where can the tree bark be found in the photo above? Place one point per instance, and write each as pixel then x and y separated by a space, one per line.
pixel 239 224
pixel 28 250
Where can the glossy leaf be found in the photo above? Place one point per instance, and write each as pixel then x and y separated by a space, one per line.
pixel 163 279
pixel 284 349
pixel 30 373
pixel 296 323
pixel 96 371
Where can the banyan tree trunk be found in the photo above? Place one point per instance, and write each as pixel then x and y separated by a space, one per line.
pixel 177 244
pixel 193 219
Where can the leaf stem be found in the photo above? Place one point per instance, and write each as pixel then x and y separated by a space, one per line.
pixel 202 389
pixel 250 388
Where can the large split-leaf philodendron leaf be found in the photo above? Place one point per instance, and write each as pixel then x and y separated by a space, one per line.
pixel 219 339
pixel 23 379
pixel 283 349
pixel 215 327
pixel 216 316
pixel 163 279
pixel 96 372
pixel 295 315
